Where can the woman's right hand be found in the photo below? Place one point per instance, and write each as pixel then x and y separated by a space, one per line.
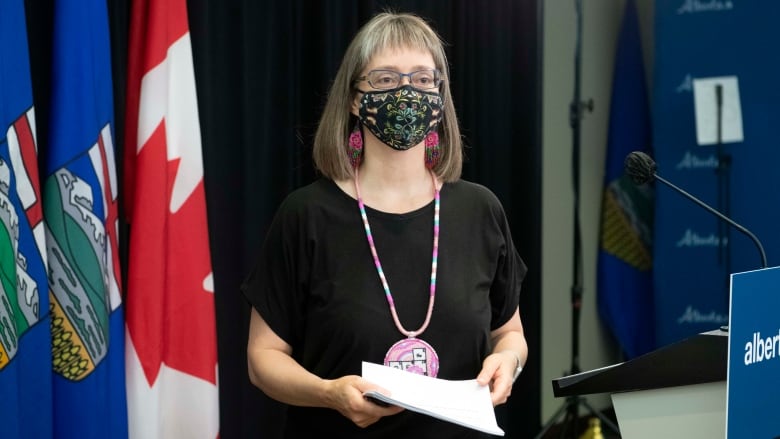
pixel 273 370
pixel 345 394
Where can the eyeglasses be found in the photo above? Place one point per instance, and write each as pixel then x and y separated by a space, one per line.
pixel 387 79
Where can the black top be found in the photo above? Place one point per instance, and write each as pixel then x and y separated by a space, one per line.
pixel 316 286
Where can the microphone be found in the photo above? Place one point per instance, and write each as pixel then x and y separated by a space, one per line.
pixel 640 168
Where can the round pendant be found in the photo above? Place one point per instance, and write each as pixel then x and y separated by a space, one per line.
pixel 413 355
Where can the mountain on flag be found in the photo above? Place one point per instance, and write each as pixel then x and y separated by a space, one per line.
pixel 25 341
pixel 80 213
pixel 171 329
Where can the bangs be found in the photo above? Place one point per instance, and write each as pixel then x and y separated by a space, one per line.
pixel 399 32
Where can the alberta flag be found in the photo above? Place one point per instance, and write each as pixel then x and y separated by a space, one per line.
pixel 25 341
pixel 171 327
pixel 80 211
pixel 625 289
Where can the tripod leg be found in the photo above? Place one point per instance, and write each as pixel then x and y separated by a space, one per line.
pixel 561 410
pixel 570 427
pixel 601 416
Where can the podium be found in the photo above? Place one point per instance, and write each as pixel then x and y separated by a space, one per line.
pixel 677 391
pixel 753 390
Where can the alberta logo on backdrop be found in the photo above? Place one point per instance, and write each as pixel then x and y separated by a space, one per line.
pixel 694 161
pixel 691 238
pixel 698 6
pixel 692 315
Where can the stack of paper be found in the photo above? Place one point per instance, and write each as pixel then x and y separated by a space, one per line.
pixel 464 403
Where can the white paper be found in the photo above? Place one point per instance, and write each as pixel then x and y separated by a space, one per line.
pixel 464 403
pixel 705 105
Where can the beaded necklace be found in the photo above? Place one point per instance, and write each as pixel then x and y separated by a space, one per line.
pixel 410 354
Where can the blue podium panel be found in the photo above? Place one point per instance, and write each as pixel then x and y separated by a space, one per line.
pixel 753 384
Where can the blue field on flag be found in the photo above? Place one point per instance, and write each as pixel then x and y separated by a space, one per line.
pixel 25 341
pixel 80 210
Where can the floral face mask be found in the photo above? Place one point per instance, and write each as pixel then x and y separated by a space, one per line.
pixel 400 117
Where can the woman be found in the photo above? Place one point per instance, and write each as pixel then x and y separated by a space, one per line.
pixel 390 257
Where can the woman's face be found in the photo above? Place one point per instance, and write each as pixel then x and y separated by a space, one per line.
pixel 402 60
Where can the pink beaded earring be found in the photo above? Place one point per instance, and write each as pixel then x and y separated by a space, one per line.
pixel 355 147
pixel 432 150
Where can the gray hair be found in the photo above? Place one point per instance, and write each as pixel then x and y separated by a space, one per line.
pixel 394 31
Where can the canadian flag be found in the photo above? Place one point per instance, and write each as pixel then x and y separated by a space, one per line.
pixel 171 349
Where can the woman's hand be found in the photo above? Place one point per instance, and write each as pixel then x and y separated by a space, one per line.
pixel 497 371
pixel 345 394
pixel 273 370
pixel 509 351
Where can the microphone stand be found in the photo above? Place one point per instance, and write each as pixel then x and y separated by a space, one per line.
pixel 724 192
pixel 576 109
pixel 723 217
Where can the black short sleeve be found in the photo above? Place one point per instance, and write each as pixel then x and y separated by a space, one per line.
pixel 276 287
pixel 316 285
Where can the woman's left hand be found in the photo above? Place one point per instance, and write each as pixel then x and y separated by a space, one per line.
pixel 497 371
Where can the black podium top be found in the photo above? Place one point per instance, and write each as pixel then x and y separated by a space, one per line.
pixel 699 359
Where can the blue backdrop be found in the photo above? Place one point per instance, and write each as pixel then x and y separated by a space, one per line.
pixel 702 39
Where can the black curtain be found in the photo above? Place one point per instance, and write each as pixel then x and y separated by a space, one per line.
pixel 262 70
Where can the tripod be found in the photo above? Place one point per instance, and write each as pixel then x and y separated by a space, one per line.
pixel 571 407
